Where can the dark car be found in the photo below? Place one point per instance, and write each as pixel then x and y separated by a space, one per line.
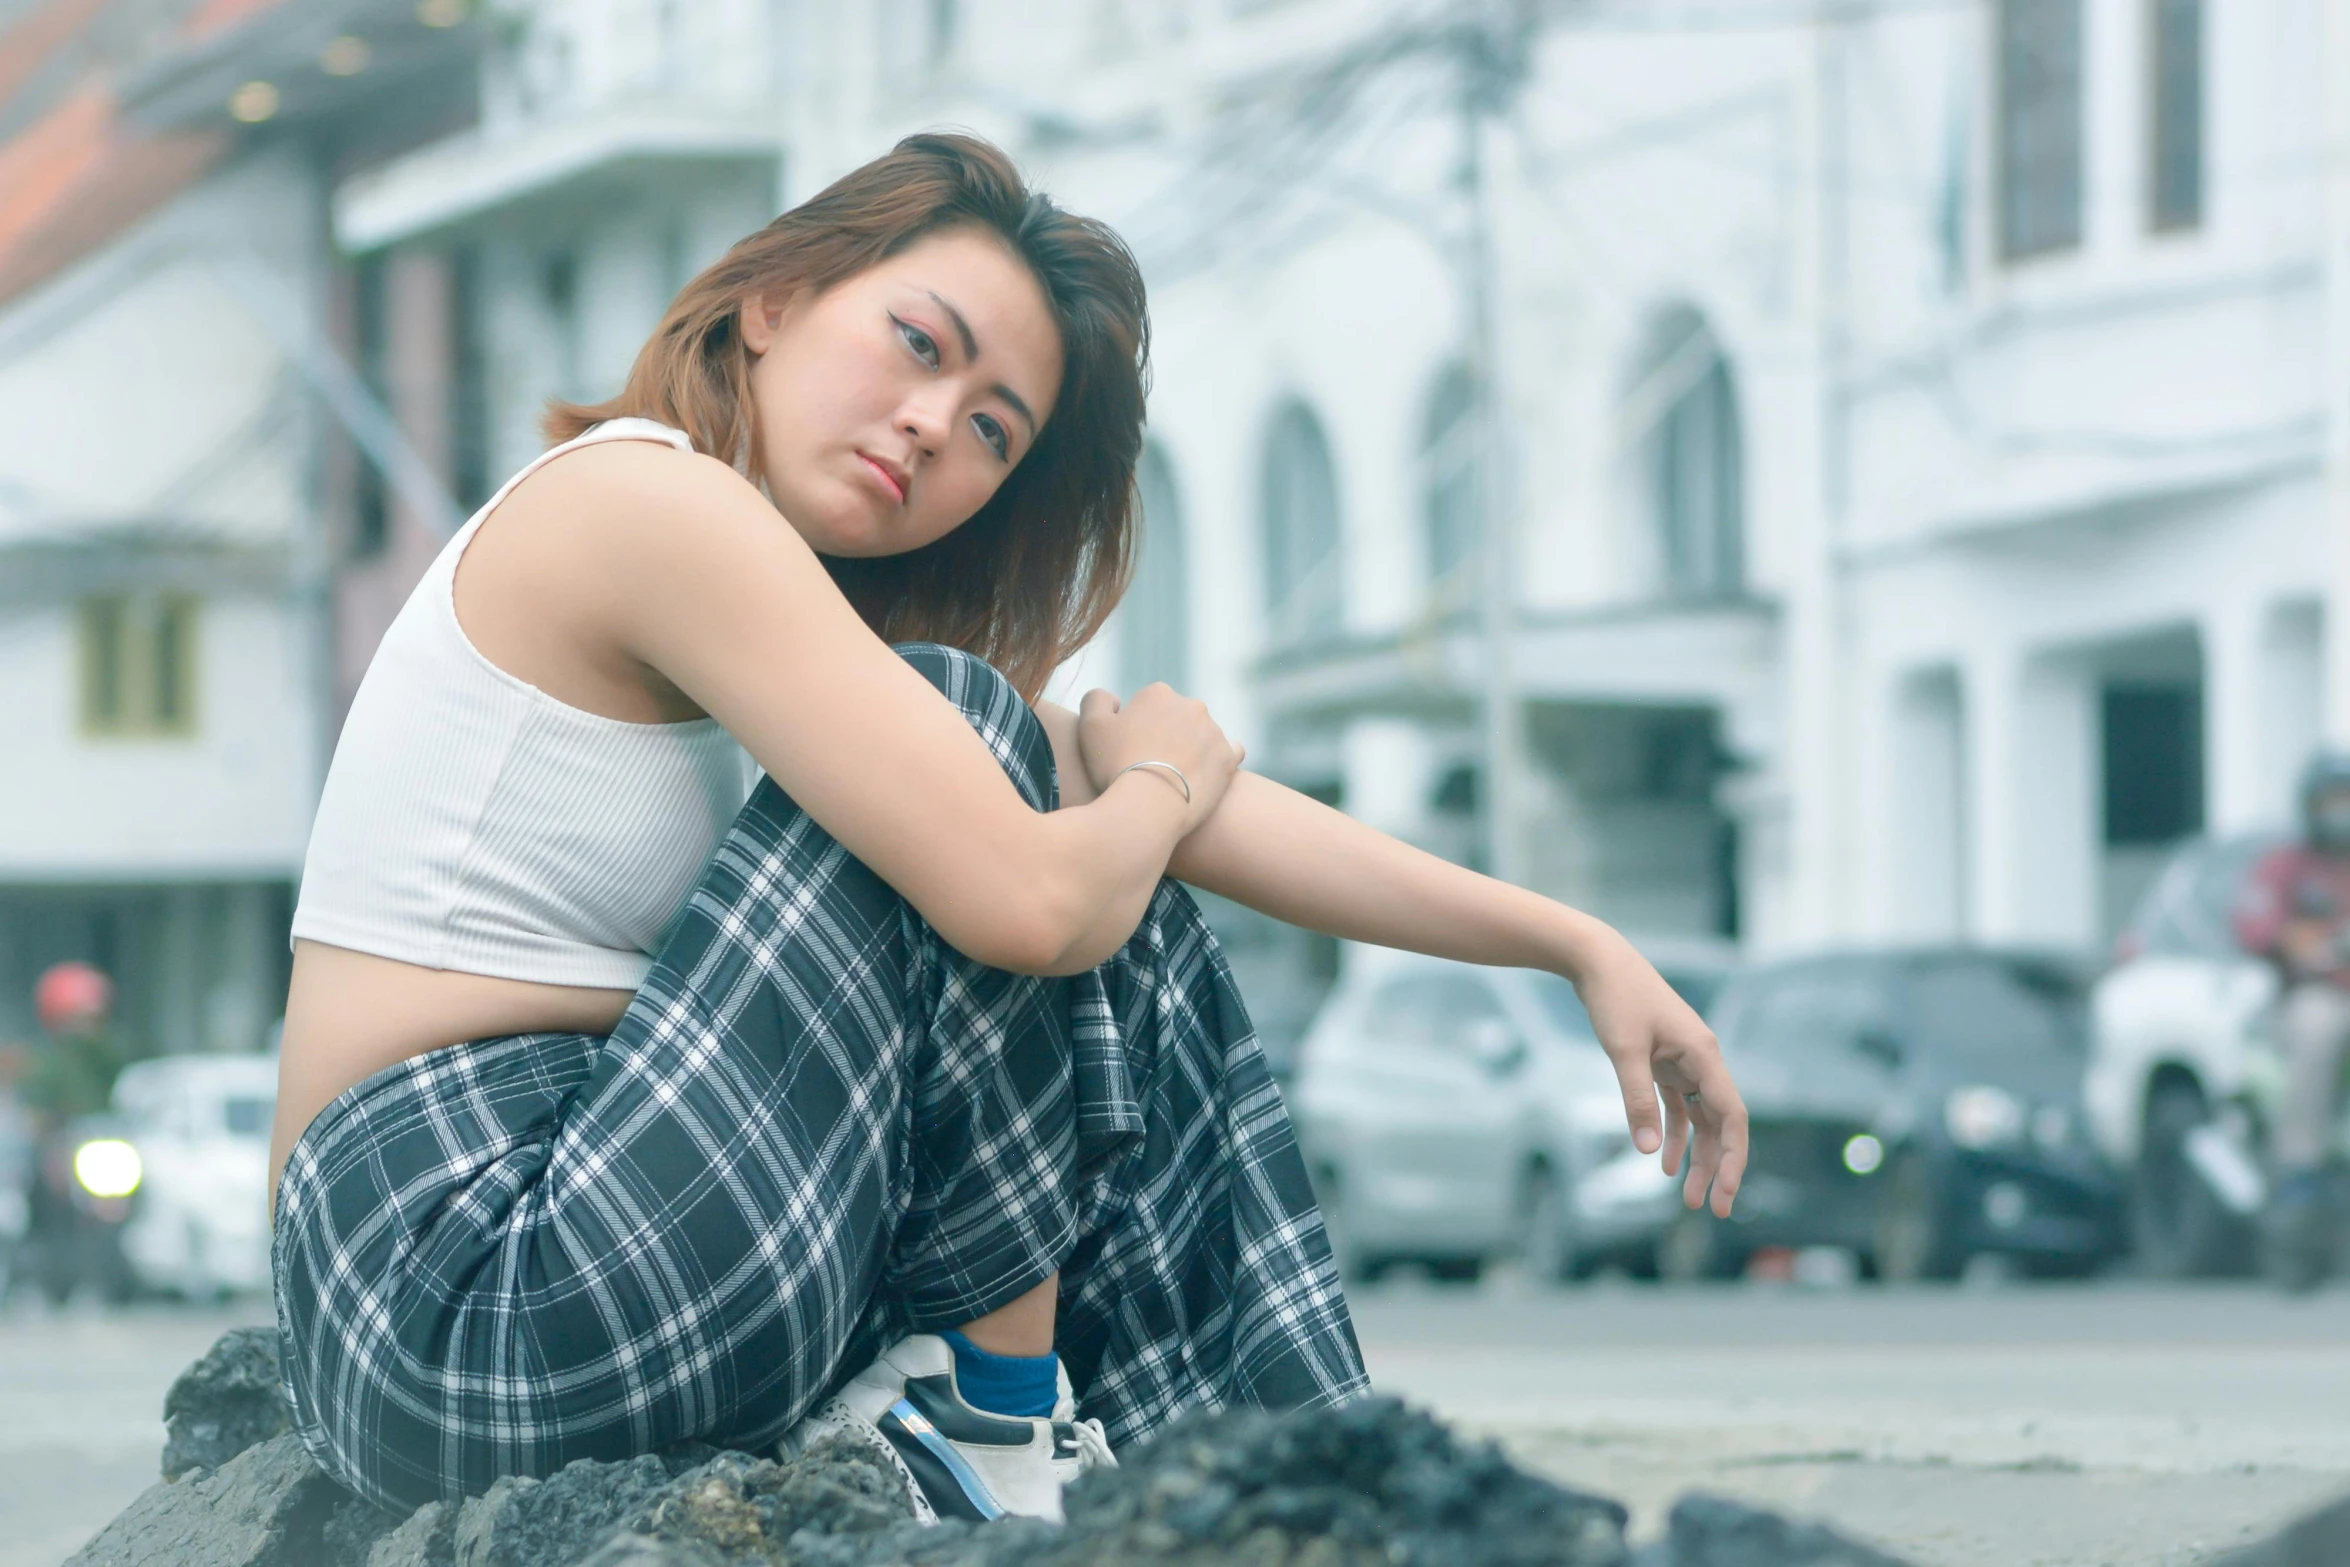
pixel 1917 1108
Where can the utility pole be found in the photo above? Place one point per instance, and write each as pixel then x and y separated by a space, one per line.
pixel 1487 47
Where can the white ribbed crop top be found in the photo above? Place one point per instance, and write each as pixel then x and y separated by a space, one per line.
pixel 470 821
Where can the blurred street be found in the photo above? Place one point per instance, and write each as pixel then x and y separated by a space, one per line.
pixel 2024 1426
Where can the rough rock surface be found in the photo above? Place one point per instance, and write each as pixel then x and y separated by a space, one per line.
pixel 224 1403
pixel 266 1507
pixel 428 1538
pixel 1373 1483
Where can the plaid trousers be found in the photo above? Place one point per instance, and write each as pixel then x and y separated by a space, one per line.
pixel 816 1129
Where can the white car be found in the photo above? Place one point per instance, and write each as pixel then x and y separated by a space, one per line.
pixel 198 1126
pixel 1451 1114
pixel 2177 1024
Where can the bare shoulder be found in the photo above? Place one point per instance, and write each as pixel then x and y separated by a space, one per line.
pixel 621 482
pixel 616 510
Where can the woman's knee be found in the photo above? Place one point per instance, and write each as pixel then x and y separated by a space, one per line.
pixel 996 709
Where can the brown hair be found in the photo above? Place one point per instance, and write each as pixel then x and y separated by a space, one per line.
pixel 1033 574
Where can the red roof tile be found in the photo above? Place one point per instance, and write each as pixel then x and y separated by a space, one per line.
pixel 31 43
pixel 78 174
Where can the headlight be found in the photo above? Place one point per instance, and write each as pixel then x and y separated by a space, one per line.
pixel 1983 1117
pixel 107 1167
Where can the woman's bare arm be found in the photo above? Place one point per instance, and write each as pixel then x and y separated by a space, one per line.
pixel 1298 860
pixel 673 562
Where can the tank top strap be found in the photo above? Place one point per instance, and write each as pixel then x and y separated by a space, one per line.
pixel 626 429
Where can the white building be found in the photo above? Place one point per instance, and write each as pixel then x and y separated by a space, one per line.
pixel 1916 427
pixel 168 525
pixel 1918 413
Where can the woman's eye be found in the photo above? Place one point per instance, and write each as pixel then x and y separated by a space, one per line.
pixel 991 430
pixel 924 346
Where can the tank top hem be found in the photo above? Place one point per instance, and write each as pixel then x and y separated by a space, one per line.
pixel 604 969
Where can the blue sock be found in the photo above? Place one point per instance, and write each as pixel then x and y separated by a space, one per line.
pixel 1020 1386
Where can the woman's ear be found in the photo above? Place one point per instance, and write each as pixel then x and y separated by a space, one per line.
pixel 760 321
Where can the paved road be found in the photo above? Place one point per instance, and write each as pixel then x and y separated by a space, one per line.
pixel 81 1416
pixel 2033 1426
pixel 2015 1427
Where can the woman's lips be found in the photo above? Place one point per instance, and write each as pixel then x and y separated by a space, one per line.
pixel 889 480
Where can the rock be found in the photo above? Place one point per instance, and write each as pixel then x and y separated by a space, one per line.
pixel 352 1530
pixel 1372 1485
pixel 1373 1482
pixel 2320 1540
pixel 556 1521
pixel 638 1550
pixel 839 1487
pixel 224 1403
pixel 726 1506
pixel 427 1539
pixel 1712 1531
pixel 266 1507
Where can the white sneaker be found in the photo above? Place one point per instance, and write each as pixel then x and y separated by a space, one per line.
pixel 957 1461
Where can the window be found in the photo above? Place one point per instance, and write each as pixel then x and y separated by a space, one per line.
pixel 1695 460
pixel 2153 763
pixel 1432 1011
pixel 2175 90
pixel 1808 1016
pixel 1305 593
pixel 1967 1011
pixel 2190 911
pixel 2039 127
pixel 1451 505
pixel 1155 639
pixel 138 665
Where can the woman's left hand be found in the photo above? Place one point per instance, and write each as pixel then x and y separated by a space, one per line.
pixel 1662 1049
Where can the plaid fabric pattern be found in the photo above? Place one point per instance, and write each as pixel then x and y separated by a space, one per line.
pixel 817 1128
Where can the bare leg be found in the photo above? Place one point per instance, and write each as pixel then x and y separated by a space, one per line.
pixel 1024 1327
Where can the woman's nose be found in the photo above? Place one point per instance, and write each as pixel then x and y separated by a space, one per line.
pixel 926 420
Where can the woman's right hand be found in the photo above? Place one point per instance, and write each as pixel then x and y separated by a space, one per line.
pixel 1157 724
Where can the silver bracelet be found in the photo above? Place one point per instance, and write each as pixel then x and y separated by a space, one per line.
pixel 1169 766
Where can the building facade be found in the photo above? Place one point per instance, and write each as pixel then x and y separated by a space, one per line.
pixel 1917 425
pixel 1764 472
pixel 176 529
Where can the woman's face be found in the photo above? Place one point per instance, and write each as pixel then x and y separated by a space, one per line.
pixel 891 405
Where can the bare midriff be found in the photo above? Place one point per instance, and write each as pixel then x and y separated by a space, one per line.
pixel 351 1014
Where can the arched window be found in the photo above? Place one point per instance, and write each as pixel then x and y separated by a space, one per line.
pixel 1451 509
pixel 1305 590
pixel 1695 464
pixel 1155 638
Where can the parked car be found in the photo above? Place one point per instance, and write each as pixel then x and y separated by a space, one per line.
pixel 2178 1024
pixel 1916 1108
pixel 168 1190
pixel 1452 1114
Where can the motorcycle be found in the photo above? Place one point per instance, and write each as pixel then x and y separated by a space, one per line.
pixel 84 1190
pixel 2301 1242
